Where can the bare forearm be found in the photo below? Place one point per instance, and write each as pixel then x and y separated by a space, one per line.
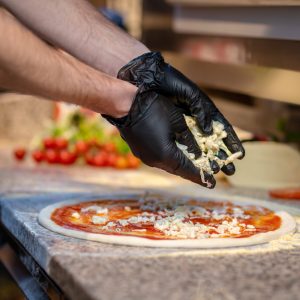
pixel 29 65
pixel 76 27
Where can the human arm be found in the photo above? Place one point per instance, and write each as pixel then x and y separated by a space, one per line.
pixel 29 65
pixel 87 35
pixel 78 28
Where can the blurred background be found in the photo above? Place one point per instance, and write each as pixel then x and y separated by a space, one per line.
pixel 244 55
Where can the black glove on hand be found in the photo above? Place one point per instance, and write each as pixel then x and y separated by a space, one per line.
pixel 150 69
pixel 151 128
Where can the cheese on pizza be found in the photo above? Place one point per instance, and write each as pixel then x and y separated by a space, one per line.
pixel 167 219
pixel 210 147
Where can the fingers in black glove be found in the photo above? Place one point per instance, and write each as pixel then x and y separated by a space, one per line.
pixel 186 169
pixel 214 166
pixel 232 141
pixel 187 95
pixel 185 137
pixel 183 134
pixel 227 169
pixel 150 133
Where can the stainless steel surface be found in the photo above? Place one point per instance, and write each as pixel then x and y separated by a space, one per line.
pixel 240 51
pixel 262 82
pixel 254 81
pixel 260 22
pixel 258 67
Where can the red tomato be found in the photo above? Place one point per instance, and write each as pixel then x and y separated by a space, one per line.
pixel 49 143
pixel 61 143
pixel 105 157
pixel 81 147
pixel 288 193
pixel 132 161
pixel 38 156
pixel 66 157
pixel 99 160
pixel 52 156
pixel 109 147
pixel 92 142
pixel 111 159
pixel 89 159
pixel 74 157
pixel 121 162
pixel 19 153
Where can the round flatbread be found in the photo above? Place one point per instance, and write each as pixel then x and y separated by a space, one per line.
pixel 167 221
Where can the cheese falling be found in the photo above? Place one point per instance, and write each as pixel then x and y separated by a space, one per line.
pixel 210 147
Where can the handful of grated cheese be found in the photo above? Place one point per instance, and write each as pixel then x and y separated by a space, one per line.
pixel 210 147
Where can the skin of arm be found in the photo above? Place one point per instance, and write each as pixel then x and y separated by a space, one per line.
pixel 29 65
pixel 78 28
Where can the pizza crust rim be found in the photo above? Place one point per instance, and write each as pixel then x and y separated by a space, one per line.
pixel 288 226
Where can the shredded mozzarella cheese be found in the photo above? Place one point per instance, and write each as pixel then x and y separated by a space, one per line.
pixel 210 147
pixel 95 208
pixel 176 218
pixel 75 215
pixel 99 220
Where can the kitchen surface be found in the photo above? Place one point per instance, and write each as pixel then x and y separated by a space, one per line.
pixel 244 54
pixel 90 270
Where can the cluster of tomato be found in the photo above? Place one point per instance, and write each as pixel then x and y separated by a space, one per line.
pixel 60 151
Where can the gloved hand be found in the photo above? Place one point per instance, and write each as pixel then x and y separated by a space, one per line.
pixel 150 69
pixel 151 128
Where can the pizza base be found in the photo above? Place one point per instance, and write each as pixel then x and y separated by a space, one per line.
pixel 288 225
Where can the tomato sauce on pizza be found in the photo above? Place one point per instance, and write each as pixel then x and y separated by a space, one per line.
pixel 167 219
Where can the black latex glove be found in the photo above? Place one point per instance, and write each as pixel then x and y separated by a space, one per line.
pixel 151 128
pixel 150 69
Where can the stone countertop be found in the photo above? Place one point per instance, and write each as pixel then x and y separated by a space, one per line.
pixel 91 270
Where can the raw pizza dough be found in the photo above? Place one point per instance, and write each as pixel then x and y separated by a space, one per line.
pixel 288 225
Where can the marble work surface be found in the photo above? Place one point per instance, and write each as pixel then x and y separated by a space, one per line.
pixel 89 270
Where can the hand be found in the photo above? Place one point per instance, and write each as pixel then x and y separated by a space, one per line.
pixel 151 128
pixel 150 69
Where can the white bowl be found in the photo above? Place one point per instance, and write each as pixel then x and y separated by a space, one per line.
pixel 267 165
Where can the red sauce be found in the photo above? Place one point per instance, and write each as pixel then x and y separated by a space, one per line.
pixel 262 219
